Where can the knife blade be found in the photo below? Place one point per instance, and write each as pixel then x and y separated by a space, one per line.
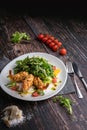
pixel 79 74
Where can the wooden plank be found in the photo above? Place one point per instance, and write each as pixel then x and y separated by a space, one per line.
pixel 46 115
pixel 12 25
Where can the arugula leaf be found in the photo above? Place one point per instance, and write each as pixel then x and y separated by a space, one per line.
pixel 40 91
pixel 11 84
pixel 17 37
pixel 65 102
pixel 37 66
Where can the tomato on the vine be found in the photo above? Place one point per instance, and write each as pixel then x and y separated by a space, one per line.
pixel 52 38
pixel 62 51
pixel 56 41
pixel 47 35
pixel 44 39
pixel 48 41
pixel 55 48
pixel 51 44
pixel 40 36
pixel 59 44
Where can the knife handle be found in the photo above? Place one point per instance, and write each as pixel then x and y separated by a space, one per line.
pixel 77 89
pixel 85 84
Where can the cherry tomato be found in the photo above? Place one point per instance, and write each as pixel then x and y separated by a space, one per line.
pixel 13 88
pixel 54 80
pixel 54 67
pixel 40 36
pixel 62 51
pixel 44 39
pixel 56 41
pixel 47 35
pixel 55 48
pixel 59 44
pixel 35 94
pixel 52 38
pixel 51 44
pixel 48 41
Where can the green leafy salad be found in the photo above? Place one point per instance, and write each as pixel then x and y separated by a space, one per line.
pixel 36 73
pixel 37 66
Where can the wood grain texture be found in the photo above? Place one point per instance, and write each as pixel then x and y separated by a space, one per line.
pixel 46 115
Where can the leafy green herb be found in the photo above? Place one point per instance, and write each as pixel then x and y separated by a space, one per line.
pixel 37 66
pixel 11 84
pixel 41 92
pixel 65 102
pixel 17 37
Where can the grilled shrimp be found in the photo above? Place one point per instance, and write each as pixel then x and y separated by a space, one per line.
pixel 28 82
pixel 38 83
pixel 19 76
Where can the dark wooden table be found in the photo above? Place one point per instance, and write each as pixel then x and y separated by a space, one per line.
pixel 72 32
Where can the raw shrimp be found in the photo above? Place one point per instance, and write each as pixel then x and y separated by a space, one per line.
pixel 12 115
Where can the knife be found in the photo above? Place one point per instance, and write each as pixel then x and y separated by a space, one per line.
pixel 79 74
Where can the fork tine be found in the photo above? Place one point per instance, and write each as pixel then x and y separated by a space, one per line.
pixel 69 67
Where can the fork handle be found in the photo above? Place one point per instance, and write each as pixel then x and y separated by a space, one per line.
pixel 78 90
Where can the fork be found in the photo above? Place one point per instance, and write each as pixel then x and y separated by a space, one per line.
pixel 71 72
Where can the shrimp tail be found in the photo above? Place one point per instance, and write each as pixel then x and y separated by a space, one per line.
pixel 10 75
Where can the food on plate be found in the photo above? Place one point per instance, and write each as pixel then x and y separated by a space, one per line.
pixel 36 73
pixel 12 116
pixel 18 77
pixel 38 83
pixel 27 82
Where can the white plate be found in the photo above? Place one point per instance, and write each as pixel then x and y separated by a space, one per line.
pixel 48 93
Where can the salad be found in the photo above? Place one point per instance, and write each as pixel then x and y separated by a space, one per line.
pixel 33 76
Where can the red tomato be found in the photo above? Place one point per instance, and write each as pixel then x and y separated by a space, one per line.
pixel 35 94
pixel 59 44
pixel 51 44
pixel 56 41
pixel 48 41
pixel 52 38
pixel 47 35
pixel 55 48
pixel 54 80
pixel 40 36
pixel 13 88
pixel 62 51
pixel 44 39
pixel 54 67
